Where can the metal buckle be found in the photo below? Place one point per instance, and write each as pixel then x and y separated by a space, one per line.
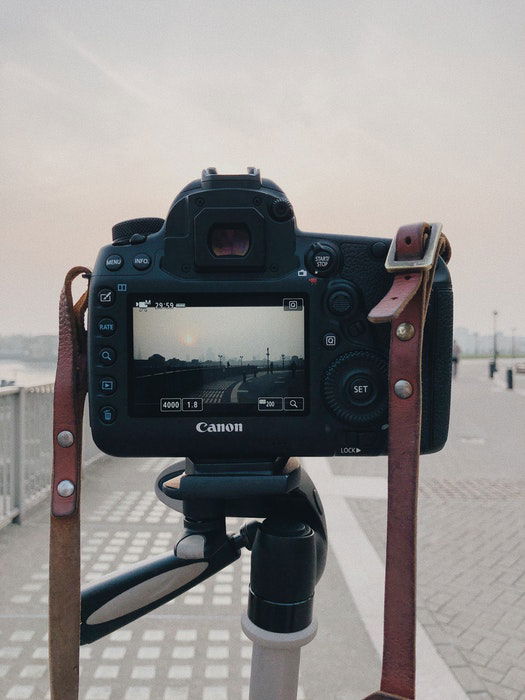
pixel 424 263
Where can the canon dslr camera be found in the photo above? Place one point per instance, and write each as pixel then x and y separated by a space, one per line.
pixel 224 332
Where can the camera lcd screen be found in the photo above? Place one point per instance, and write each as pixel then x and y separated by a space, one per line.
pixel 217 355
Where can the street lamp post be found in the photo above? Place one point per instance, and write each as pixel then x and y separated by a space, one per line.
pixel 495 316
pixel 220 360
pixel 240 358
pixel 267 360
pixel 282 358
pixel 513 343
pixel 493 364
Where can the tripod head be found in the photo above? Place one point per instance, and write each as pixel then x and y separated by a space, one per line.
pixel 288 548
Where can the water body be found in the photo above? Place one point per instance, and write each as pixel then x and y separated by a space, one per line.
pixel 27 373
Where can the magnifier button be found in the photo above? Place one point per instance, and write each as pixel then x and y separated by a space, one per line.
pixel 294 403
pixel 107 356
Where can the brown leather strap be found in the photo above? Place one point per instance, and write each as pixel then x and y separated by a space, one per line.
pixel 64 549
pixel 405 306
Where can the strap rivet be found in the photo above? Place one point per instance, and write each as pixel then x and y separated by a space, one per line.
pixel 65 488
pixel 405 331
pixel 65 438
pixel 403 389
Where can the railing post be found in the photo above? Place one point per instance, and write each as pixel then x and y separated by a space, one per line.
pixel 18 476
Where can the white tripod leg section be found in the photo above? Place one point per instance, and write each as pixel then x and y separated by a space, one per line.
pixel 275 660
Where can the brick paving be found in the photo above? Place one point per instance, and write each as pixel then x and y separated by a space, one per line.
pixel 189 649
pixel 471 559
pixel 471 578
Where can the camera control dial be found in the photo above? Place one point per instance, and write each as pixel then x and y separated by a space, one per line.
pixel 355 388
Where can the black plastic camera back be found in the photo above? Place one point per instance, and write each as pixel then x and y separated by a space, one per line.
pixel 225 332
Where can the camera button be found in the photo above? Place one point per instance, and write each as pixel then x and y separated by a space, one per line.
pixel 114 262
pixel 137 238
pixel 330 340
pixel 107 356
pixel 141 261
pixel 106 326
pixel 106 296
pixel 107 385
pixel 107 414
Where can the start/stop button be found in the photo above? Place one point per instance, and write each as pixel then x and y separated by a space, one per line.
pixel 322 259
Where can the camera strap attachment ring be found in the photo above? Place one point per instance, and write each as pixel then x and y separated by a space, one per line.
pixel 413 258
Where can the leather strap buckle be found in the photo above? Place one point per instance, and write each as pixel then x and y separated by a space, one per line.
pixel 421 264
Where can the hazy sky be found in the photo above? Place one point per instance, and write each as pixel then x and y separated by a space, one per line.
pixel 369 115
pixel 229 331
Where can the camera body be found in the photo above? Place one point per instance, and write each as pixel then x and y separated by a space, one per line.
pixel 225 332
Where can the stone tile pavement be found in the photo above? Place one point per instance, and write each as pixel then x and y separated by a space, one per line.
pixel 471 577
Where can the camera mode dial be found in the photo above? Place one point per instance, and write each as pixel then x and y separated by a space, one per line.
pixel 135 231
pixel 322 259
pixel 355 388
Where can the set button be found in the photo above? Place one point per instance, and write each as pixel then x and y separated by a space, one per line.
pixel 107 356
pixel 107 414
pixel 361 390
pixel 106 326
pixel 114 262
pixel 141 261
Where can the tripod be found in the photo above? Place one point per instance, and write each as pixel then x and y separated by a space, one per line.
pixel 288 558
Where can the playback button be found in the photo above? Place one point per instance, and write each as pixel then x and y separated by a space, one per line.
pixel 107 385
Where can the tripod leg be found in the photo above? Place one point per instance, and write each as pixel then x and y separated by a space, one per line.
pixel 275 660
pixel 280 609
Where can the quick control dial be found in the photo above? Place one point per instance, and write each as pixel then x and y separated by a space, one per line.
pixel 355 388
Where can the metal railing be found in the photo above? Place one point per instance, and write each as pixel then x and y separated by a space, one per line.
pixel 26 449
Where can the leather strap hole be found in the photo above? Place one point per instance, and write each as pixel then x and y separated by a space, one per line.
pixel 408 277
pixel 408 240
pixel 393 298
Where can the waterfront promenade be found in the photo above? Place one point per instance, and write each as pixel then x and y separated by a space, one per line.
pixel 471 585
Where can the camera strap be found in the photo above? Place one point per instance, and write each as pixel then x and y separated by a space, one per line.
pixel 413 259
pixel 64 545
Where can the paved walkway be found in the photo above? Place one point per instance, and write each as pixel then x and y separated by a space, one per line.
pixel 471 635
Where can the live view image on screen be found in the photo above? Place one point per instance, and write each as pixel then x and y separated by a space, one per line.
pixel 218 355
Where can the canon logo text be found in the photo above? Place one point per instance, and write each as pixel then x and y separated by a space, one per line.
pixel 219 427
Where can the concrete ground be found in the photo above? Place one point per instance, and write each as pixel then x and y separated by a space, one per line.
pixel 471 587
